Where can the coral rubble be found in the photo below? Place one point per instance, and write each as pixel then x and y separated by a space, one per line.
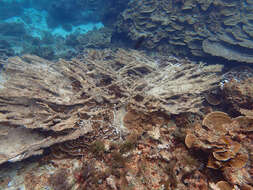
pixel 197 27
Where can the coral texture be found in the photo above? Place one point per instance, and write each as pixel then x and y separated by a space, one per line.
pixel 238 91
pixel 68 99
pixel 149 158
pixel 228 144
pixel 95 39
pixel 200 27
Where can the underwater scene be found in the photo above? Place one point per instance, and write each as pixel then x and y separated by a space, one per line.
pixel 126 94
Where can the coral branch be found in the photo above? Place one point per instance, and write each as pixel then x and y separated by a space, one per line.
pixel 90 93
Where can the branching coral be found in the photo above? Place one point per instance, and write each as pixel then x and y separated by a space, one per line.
pixel 89 94
pixel 175 87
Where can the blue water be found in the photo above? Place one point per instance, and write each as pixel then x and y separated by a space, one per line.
pixel 28 26
pixel 39 18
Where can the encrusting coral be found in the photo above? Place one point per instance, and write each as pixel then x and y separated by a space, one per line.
pixel 228 144
pixel 56 102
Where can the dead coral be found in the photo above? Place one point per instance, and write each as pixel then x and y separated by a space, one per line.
pixel 152 164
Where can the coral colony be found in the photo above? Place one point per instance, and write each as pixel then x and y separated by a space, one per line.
pixel 129 95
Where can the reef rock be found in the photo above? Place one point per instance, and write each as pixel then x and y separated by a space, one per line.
pixel 197 27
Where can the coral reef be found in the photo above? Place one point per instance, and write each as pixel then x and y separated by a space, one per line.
pixel 196 27
pixel 94 39
pixel 141 160
pixel 155 160
pixel 55 102
pixel 151 157
pixel 237 90
pixel 121 118
pixel 227 141
pixel 59 180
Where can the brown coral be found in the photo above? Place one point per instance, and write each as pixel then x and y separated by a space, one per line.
pixel 224 185
pixel 227 142
pixel 238 92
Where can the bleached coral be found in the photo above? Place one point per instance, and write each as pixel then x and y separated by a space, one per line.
pixel 179 88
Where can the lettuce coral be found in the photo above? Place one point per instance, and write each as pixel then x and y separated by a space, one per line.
pixel 227 141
